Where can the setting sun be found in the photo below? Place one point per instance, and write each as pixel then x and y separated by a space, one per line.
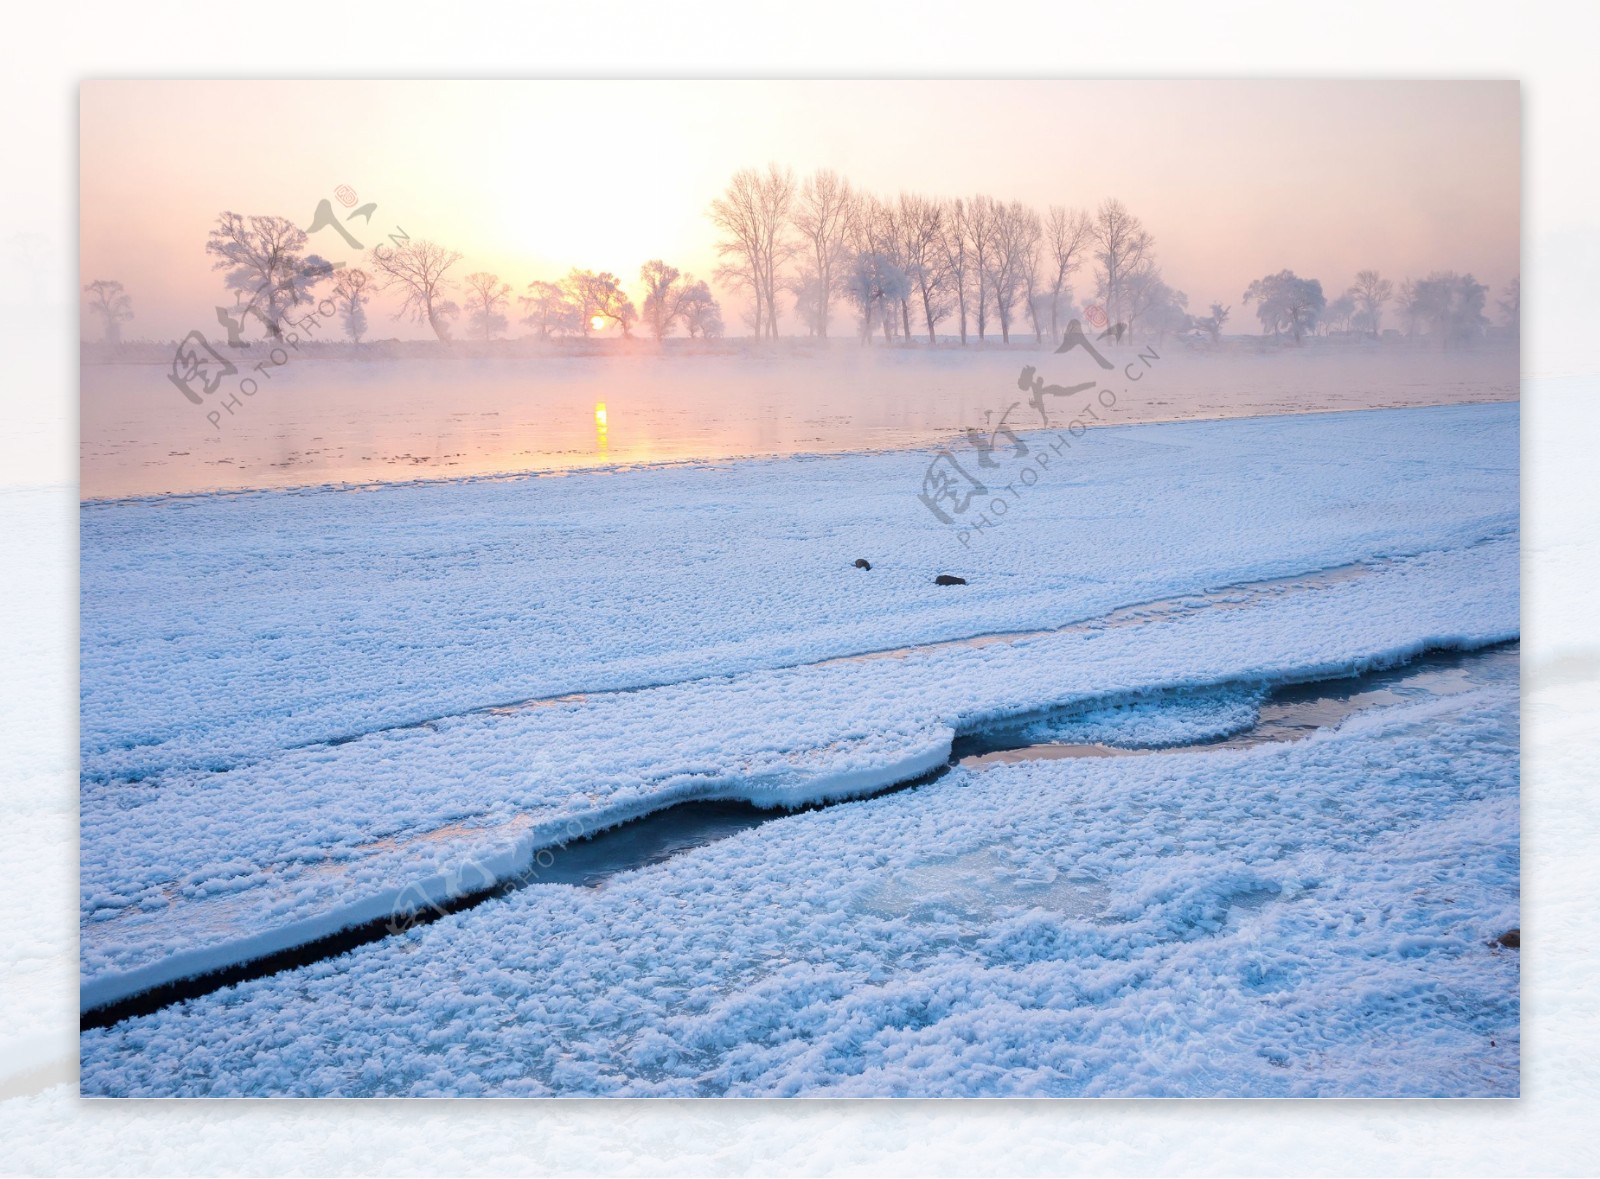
pixel 597 323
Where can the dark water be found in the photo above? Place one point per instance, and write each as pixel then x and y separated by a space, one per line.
pixel 1289 712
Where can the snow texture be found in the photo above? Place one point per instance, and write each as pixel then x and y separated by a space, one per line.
pixel 374 700
pixel 1293 920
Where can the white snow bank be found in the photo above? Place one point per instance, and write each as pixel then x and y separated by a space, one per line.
pixel 1309 919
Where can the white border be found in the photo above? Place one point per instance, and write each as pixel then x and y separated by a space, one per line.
pixel 45 1128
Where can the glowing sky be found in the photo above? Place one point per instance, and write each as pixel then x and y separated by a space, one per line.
pixel 528 179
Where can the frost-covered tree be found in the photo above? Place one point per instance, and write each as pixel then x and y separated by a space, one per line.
pixel 664 290
pixel 875 232
pixel 487 299
pixel 1285 302
pixel 1340 312
pixel 350 296
pixel 1212 323
pixel 1150 302
pixel 109 303
pixel 417 271
pixel 548 308
pixel 1451 305
pixel 811 300
pixel 876 286
pixel 1370 292
pixel 702 317
pixel 821 213
pixel 753 218
pixel 265 267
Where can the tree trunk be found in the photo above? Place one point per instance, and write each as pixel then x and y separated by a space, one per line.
pixel 433 322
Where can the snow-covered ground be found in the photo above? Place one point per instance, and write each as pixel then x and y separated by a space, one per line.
pixel 304 709
pixel 1297 920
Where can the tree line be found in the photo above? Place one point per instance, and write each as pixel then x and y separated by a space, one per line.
pixel 903 267
pixel 908 265
pixel 1446 306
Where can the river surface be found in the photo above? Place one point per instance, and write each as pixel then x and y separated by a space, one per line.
pixel 317 421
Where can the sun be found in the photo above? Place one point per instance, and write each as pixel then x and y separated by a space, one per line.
pixel 597 323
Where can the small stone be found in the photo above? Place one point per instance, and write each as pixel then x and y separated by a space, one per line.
pixel 1511 939
pixel 949 579
pixel 863 563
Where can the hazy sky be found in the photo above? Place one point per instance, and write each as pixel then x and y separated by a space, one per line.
pixel 528 179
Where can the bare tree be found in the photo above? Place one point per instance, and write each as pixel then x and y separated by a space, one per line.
pixel 822 213
pixel 980 234
pixel 953 239
pixel 487 299
pixel 1068 234
pixel 922 233
pixel 1122 246
pixel 753 216
pixel 417 270
pixel 1370 293
pixel 108 301
pixel 1012 252
pixel 265 267
pixel 549 309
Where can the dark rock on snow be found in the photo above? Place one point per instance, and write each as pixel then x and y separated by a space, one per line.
pixel 948 579
pixel 863 563
pixel 1511 938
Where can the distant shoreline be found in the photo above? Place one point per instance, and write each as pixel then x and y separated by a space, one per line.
pixel 160 352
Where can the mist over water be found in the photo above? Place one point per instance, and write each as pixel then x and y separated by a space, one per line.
pixel 324 421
